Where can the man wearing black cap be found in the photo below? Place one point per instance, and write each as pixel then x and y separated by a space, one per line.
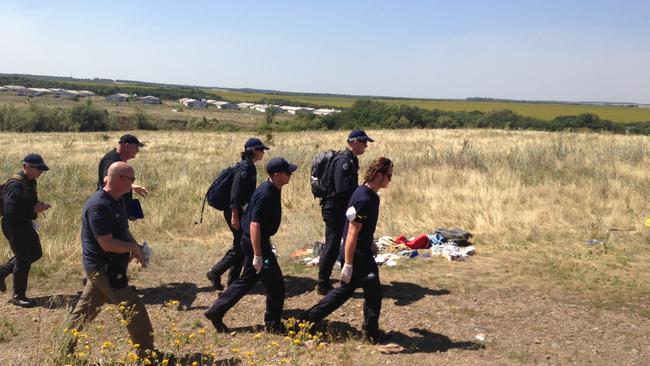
pixel 20 207
pixel 127 148
pixel 345 168
pixel 260 222
pixel 243 185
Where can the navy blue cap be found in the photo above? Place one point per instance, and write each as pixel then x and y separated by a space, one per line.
pixel 254 143
pixel 36 161
pixel 279 165
pixel 359 135
pixel 130 139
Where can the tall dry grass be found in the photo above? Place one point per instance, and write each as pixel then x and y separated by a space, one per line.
pixel 530 198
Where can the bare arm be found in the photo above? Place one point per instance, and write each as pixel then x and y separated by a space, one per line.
pixel 256 238
pixel 109 244
pixel 354 228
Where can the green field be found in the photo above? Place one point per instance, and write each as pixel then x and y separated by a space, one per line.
pixel 545 111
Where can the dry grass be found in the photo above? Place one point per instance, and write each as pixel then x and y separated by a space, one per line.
pixel 530 198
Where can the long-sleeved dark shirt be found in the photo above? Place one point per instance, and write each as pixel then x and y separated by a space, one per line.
pixel 345 177
pixel 243 184
pixel 19 198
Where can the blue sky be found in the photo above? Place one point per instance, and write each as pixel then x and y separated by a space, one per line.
pixel 534 50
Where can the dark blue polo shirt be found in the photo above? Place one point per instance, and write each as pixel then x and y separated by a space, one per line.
pixel 102 215
pixel 264 208
pixel 366 203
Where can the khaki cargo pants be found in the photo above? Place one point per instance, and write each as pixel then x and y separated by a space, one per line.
pixel 97 292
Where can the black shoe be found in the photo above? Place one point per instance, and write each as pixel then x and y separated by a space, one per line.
pixel 3 285
pixel 324 288
pixel 275 328
pixel 22 301
pixel 219 325
pixel 377 337
pixel 215 280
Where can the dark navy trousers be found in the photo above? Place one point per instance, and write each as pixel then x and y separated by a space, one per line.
pixel 365 274
pixel 234 257
pixel 330 252
pixel 271 277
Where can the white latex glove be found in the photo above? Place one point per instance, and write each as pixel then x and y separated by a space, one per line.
pixel 257 263
pixel 346 273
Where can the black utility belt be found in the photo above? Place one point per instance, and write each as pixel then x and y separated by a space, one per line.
pixel 116 274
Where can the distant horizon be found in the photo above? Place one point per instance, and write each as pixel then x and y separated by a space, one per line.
pixel 278 91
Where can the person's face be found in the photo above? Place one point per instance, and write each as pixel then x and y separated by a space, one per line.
pixel 131 150
pixel 258 154
pixel 32 172
pixel 386 178
pixel 282 178
pixel 125 180
pixel 358 147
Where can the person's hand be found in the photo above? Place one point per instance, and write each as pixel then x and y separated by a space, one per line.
pixel 41 207
pixel 234 223
pixel 140 190
pixel 138 255
pixel 257 263
pixel 346 273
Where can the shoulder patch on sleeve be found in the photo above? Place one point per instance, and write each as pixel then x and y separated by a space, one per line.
pixel 346 166
pixel 351 213
pixel 244 174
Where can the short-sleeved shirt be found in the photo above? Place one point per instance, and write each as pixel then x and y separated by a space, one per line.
pixel 103 215
pixel 264 208
pixel 365 202
pixel 243 184
pixel 345 179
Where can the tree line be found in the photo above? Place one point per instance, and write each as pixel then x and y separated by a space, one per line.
pixel 364 113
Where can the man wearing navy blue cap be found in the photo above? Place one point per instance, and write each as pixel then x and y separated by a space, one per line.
pixel 260 222
pixel 345 179
pixel 127 148
pixel 243 185
pixel 20 207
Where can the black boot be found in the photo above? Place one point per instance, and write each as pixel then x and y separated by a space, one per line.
pixel 22 301
pixel 3 284
pixel 215 280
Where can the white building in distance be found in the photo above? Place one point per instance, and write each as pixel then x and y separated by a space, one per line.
pixel 193 103
pixel 297 110
pixel 150 99
pixel 325 111
pixel 222 104
pixel 119 97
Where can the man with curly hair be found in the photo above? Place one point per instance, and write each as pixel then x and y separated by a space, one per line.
pixel 359 267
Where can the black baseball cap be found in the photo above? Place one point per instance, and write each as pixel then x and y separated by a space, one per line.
pixel 254 143
pixel 279 165
pixel 130 139
pixel 359 135
pixel 36 161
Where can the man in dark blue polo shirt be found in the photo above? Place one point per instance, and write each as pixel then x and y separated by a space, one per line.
pixel 359 267
pixel 107 248
pixel 260 222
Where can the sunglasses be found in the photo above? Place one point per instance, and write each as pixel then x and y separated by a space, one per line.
pixel 132 179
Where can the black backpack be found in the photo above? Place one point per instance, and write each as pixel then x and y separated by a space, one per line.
pixel 321 173
pixel 218 194
pixel 17 178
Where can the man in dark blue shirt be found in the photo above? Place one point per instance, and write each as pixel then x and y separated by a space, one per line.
pixel 20 207
pixel 243 184
pixel 127 148
pixel 359 267
pixel 345 168
pixel 260 222
pixel 107 248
